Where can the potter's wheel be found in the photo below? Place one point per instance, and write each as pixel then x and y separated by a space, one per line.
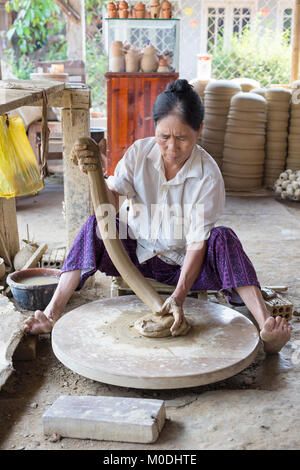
pixel 98 341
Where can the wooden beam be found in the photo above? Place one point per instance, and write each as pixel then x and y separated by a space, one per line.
pixel 68 10
pixel 296 42
pixel 77 198
pixel 8 229
pixel 17 93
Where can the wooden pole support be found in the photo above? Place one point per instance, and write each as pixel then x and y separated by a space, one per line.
pixel 296 43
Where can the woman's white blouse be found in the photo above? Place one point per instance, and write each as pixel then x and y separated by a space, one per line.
pixel 166 216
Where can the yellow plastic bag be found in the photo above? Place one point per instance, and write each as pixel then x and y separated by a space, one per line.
pixel 19 171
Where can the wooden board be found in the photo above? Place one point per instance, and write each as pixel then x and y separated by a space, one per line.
pixel 17 93
pixel 98 341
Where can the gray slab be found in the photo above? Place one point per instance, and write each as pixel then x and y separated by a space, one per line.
pixel 105 418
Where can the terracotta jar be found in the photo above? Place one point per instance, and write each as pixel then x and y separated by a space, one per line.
pixel 132 60
pixel 163 65
pixel 166 10
pixel 117 64
pixel 116 49
pixel 112 10
pixel 149 62
pixel 123 9
pixel 154 8
pixel 140 10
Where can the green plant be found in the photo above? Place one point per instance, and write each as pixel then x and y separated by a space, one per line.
pixel 96 66
pixel 31 26
pixel 37 32
pixel 259 53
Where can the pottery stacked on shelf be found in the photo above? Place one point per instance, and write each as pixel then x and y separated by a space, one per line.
pixel 278 105
pixel 244 145
pixel 293 159
pixel 217 99
pixel 246 84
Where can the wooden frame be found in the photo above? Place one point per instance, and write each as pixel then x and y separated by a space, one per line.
pixel 75 104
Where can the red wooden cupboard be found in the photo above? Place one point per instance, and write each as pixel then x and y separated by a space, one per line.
pixel 130 98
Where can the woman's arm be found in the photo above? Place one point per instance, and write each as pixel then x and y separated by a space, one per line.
pixel 190 270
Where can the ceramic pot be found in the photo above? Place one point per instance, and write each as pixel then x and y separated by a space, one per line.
pixel 166 10
pixel 116 49
pixel 140 10
pixel 149 61
pixel 237 155
pixel 215 122
pixel 132 61
pixel 248 116
pixel 213 135
pixel 163 65
pixel 244 141
pixel 248 124
pixel 117 64
pixel 123 9
pixel 247 84
pixel 243 169
pixel 277 136
pixel 223 87
pixel 112 10
pixel 154 9
pixel 242 183
pixel 249 102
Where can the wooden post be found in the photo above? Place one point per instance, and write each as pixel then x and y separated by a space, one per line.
pixel 76 32
pixel 296 43
pixel 8 229
pixel 78 204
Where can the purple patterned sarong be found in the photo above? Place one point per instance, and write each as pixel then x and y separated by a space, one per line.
pixel 225 265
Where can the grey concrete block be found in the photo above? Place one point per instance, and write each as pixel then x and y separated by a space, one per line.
pixel 106 418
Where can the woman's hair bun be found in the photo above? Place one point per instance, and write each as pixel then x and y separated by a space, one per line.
pixel 179 86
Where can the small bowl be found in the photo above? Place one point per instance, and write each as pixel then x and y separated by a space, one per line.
pixel 32 297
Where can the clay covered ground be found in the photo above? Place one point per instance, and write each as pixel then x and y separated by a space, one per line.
pixel 257 409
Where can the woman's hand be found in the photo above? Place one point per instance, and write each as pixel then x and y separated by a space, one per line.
pixel 86 154
pixel 174 307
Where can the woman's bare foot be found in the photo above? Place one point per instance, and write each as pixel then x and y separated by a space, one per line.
pixel 39 323
pixel 275 333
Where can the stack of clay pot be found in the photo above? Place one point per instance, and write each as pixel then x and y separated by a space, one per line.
pixel 244 145
pixel 293 160
pixel 217 99
pixel 117 57
pixel 278 102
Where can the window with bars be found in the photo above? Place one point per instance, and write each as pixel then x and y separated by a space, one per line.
pixel 215 26
pixel 226 20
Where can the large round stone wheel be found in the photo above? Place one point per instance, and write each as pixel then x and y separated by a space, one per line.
pixel 98 340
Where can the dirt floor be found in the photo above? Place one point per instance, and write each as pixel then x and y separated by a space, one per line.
pixel 257 409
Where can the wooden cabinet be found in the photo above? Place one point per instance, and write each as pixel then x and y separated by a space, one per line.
pixel 130 99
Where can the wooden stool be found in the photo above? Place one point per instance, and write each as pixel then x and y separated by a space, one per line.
pixel 119 287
